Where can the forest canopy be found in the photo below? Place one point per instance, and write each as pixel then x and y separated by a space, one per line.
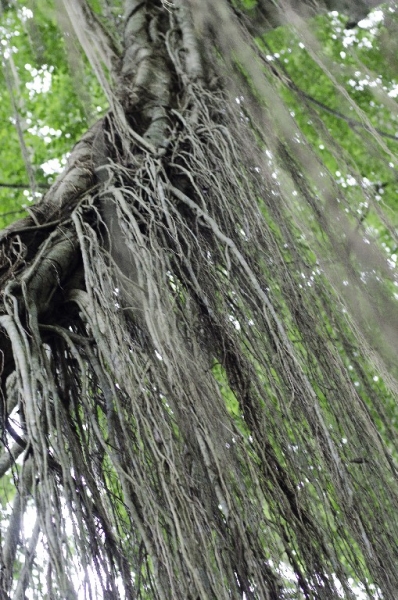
pixel 198 309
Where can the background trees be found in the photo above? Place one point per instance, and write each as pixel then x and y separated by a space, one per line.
pixel 198 322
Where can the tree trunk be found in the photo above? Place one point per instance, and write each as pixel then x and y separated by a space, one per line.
pixel 181 404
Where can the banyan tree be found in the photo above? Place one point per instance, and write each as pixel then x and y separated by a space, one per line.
pixel 198 326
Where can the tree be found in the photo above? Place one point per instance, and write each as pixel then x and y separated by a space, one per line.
pixel 179 313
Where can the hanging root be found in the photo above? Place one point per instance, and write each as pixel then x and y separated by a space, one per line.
pixel 185 409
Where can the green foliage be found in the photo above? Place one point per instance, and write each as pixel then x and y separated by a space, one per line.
pixel 56 97
pixel 338 123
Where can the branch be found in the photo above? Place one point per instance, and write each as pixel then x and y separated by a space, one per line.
pixel 13 90
pixel 96 42
pixel 8 458
pixel 351 122
pixel 292 86
pixel 63 195
pixel 23 186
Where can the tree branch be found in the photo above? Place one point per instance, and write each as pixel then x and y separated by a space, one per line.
pixel 23 186
pixel 8 458
pixel 351 122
